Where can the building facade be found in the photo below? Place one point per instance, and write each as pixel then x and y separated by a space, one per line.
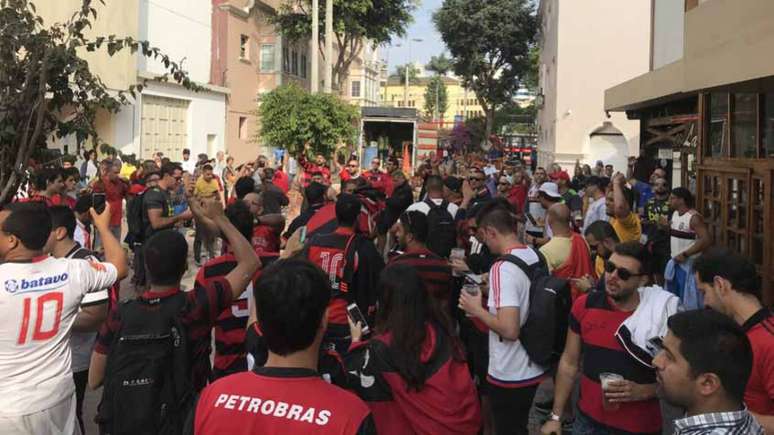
pixel 363 85
pixel 708 106
pixel 462 104
pixel 587 47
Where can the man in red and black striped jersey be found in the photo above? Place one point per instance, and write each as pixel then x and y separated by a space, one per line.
pixel 230 351
pixel 631 404
pixel 353 266
pixel 286 396
pixel 411 231
pixel 730 284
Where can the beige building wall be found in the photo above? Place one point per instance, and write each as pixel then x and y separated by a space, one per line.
pixel 590 46
pixel 118 18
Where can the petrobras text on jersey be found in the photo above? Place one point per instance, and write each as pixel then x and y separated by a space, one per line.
pixel 45 283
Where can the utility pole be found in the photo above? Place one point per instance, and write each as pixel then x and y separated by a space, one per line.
pixel 406 85
pixel 315 46
pixel 329 46
pixel 437 109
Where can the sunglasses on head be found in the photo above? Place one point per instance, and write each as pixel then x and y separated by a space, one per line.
pixel 624 274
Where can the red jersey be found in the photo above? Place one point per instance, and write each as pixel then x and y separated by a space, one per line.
pixel 324 221
pixel 447 403
pixel 596 321
pixel 230 350
pixel 310 168
pixel 330 252
pixel 285 401
pixel 115 192
pixel 759 395
pixel 434 271
pixel 281 180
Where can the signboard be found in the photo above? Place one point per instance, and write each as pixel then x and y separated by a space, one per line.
pixel 665 154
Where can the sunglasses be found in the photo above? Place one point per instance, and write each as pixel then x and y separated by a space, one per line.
pixel 475 179
pixel 624 274
pixel 352 166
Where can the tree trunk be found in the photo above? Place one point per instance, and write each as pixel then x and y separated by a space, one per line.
pixel 490 116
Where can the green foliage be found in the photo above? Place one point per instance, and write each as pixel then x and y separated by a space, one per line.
pixel 47 90
pixel 292 118
pixel 490 42
pixel 413 73
pixel 435 92
pixel 440 65
pixel 356 22
pixel 532 76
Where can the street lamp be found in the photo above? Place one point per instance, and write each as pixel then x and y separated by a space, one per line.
pixel 408 63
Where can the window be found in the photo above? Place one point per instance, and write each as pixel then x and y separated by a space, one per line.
pixel 767 126
pixel 267 57
pixel 243 127
pixel 294 62
pixel 303 65
pixel 244 47
pixel 285 59
pixel 356 89
pixel 744 126
pixel 717 136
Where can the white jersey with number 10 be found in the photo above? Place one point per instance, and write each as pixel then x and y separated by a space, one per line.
pixel 38 304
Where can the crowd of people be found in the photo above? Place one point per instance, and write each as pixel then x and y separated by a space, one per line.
pixel 432 302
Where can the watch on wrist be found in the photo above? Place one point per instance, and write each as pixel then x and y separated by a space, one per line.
pixel 554 417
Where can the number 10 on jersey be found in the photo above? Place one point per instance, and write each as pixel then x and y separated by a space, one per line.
pixel 38 334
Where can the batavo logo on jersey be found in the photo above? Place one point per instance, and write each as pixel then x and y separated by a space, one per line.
pixel 273 408
pixel 35 285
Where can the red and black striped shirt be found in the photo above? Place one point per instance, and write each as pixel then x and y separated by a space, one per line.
pixel 230 350
pixel 434 271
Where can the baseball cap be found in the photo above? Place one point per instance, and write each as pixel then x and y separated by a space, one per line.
pixel 550 189
pixel 561 175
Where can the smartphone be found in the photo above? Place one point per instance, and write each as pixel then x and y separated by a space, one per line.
pixel 357 316
pixel 302 236
pixel 98 202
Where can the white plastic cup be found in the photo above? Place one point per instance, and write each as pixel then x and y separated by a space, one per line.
pixel 459 254
pixel 606 379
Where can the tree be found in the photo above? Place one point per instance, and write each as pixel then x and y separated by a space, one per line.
pixel 460 139
pixel 413 73
pixel 292 118
pixel 47 90
pixel 435 93
pixel 356 22
pixel 490 43
pixel 440 65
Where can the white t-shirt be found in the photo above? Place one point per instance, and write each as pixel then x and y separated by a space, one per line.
pixel 82 343
pixel 189 165
pixel 38 304
pixel 423 208
pixel 509 287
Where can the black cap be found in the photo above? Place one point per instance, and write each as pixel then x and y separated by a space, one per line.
pixel 453 183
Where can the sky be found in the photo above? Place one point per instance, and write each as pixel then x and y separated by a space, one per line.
pixel 421 28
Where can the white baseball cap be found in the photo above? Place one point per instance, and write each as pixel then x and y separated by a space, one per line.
pixel 550 189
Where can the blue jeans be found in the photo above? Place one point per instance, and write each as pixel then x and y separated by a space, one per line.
pixel 585 426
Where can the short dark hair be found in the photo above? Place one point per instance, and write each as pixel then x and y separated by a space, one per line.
pixel 727 264
pixel 713 343
pixel 63 216
pixel 415 223
pixel 169 168
pixel 315 193
pixel 599 182
pixel 602 230
pixel 71 172
pixel 434 183
pixel 497 214
pixel 45 176
pixel 347 210
pixel 243 186
pixel 684 194
pixel 186 151
pixel 547 197
pixel 207 167
pixel 268 174
pixel 30 222
pixel 240 216
pixel 638 251
pixel 291 297
pixel 83 203
pixel 166 257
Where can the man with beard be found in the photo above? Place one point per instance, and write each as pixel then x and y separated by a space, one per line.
pixel 628 405
pixel 656 226
pixel 602 240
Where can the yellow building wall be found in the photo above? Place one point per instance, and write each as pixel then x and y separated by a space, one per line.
pixel 115 17
pixel 460 102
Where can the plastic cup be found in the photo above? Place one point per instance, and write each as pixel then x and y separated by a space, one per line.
pixel 471 289
pixel 606 379
pixel 457 253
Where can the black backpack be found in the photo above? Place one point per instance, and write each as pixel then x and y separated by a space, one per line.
pixel 148 387
pixel 135 221
pixel 441 229
pixel 545 331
